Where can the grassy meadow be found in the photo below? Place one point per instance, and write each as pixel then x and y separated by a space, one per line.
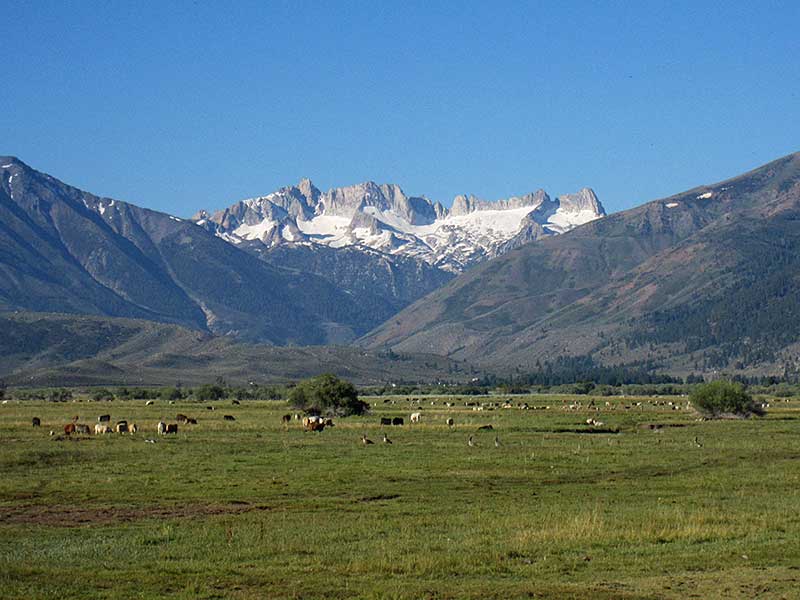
pixel 252 509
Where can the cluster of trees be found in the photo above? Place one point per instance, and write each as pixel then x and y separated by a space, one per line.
pixel 327 395
pixel 724 398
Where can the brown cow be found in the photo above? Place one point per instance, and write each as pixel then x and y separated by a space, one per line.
pixel 82 429
pixel 69 428
pixel 314 423
pixel 181 418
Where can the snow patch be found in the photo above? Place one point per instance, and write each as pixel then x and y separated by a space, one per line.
pixel 254 232
pixel 705 196
pixel 6 166
pixel 672 204
pixel 175 219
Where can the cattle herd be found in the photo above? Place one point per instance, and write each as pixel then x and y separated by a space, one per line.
pixel 319 423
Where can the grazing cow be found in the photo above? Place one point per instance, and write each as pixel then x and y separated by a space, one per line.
pixel 122 427
pixel 69 428
pixel 162 428
pixel 328 422
pixel 234 402
pixel 485 428
pixel 229 418
pixel 415 417
pixel 75 419
pixel 172 428
pixel 134 428
pixel 286 419
pixel 398 421
pixel 101 428
pixel 314 423
pixel 386 421
pixel 191 421
pixel 104 419
pixel 82 429
pixel 450 422
pixel 148 403
pixel 181 418
pixel 37 422
pixel 209 408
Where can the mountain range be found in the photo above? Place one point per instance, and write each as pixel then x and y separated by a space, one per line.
pixel 264 270
pixel 704 280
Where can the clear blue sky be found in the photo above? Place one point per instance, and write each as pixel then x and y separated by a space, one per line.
pixel 178 106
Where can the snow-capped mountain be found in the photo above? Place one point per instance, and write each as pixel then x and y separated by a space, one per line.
pixel 382 218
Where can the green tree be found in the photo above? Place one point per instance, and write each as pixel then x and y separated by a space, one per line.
pixel 720 398
pixel 171 393
pixel 209 392
pixel 327 394
pixel 102 394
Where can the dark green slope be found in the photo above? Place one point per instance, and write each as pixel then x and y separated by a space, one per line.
pixel 669 281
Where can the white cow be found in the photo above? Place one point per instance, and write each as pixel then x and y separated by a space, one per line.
pixel 162 428
pixel 415 417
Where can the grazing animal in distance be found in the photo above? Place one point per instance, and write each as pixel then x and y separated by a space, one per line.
pixel 496 442
pixel 69 428
pixel 122 427
pixel 485 428
pixel 181 418
pixel 471 442
pixel 162 428
pixel 398 421
pixel 386 421
pixel 133 428
pixel 75 418
pixel 229 418
pixel 209 408
pixel 286 419
pixel 37 422
pixel 191 421
pixel 172 428
pixel 415 417
pixel 366 441
pixel 450 422
pixel 386 440
pixel 148 403
pixel 101 428
pixel 235 402
pixel 104 419
pixel 314 423
pixel 82 429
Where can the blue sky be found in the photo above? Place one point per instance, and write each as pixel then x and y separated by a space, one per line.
pixel 181 106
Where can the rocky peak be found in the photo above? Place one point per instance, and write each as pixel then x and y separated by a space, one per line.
pixel 584 200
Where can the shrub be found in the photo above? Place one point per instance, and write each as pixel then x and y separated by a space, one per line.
pixel 724 398
pixel 209 392
pixel 171 393
pixel 327 394
pixel 102 395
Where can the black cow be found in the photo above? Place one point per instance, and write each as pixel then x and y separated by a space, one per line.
pixel 37 422
pixel 181 418
pixel 104 419
pixel 386 421
pixel 229 418
pixel 172 428
pixel 191 421
pixel 398 421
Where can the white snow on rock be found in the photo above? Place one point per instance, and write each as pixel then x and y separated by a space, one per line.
pixel 672 204
pixel 705 196
pixel 382 218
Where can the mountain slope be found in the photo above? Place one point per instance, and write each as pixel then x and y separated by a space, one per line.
pixel 65 250
pixel 663 281
pixel 45 349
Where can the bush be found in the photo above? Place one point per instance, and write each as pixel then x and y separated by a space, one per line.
pixel 102 395
pixel 171 393
pixel 209 392
pixel 724 398
pixel 327 394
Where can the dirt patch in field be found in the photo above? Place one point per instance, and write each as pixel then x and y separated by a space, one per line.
pixel 378 497
pixel 80 516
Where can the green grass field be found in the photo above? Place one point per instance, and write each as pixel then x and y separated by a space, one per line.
pixel 249 509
